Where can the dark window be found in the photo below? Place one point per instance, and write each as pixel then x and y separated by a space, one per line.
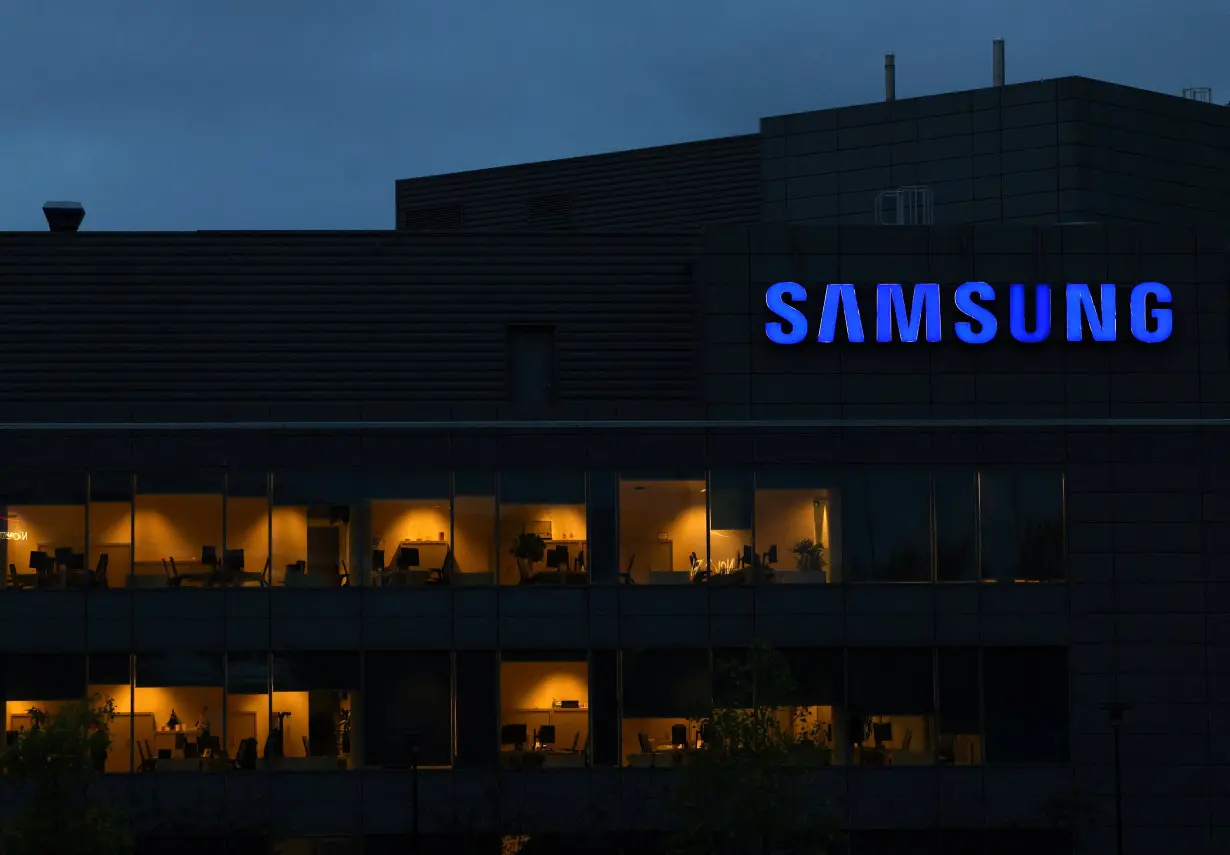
pixel 531 366
pixel 956 516
pixel 886 517
pixel 959 716
pixel 891 680
pixel 478 717
pixel 604 707
pixel 44 677
pixel 407 703
pixel 1026 704
pixel 665 683
pixel 1022 525
pixel 550 212
pixel 819 675
pixel 435 219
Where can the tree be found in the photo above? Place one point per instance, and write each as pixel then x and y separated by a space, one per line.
pixel 745 790
pixel 53 766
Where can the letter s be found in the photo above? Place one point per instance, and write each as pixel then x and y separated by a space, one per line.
pixel 773 298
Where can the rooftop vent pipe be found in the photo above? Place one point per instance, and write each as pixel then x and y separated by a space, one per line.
pixel 997 48
pixel 890 77
pixel 63 216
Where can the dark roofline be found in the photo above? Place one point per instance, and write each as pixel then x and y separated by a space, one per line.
pixel 599 156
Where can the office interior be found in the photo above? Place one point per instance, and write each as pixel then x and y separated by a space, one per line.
pixel 318 712
pixel 761 526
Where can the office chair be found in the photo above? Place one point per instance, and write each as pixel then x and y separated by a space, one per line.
pixel 100 572
pixel 546 736
pixel 626 576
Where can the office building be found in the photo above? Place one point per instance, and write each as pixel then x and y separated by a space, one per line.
pixel 333 507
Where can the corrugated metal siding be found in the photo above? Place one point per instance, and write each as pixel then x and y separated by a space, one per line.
pixel 339 318
pixel 713 182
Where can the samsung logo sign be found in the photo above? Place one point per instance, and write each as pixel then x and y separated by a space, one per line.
pixel 916 313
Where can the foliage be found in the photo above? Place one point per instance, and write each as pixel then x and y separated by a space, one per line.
pixel 810 555
pixel 54 764
pixel 529 547
pixel 746 790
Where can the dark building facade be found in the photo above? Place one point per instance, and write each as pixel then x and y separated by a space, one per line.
pixel 282 490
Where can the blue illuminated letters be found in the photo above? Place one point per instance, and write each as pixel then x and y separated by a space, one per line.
pixel 916 313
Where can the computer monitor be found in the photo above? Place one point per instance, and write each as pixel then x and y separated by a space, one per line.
pixel 546 734
pixel 407 557
pixel 513 734
pixel 882 732
pixel 679 735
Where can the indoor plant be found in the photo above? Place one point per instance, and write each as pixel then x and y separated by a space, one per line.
pixel 528 549
pixel 810 554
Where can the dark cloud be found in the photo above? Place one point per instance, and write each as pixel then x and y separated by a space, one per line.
pixel 285 114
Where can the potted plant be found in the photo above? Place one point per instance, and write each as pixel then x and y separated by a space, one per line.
pixel 528 549
pixel 343 733
pixel 810 555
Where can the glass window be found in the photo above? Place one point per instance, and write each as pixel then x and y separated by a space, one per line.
pixel 662 531
pixel 44 530
pixel 542 528
pixel 320 694
pixel 732 558
pixel 798 524
pixel 475 561
pixel 111 521
pixel 250 715
pixel 959 717
pixel 820 691
pixel 37 686
pixel 407 709
pixel 956 518
pixel 312 528
pixel 1027 720
pixel 887 525
pixel 247 522
pixel 477 690
pixel 411 522
pixel 1022 526
pixel 178 529
pixel 665 692
pixel 110 680
pixel 892 706
pixel 544 710
pixel 176 712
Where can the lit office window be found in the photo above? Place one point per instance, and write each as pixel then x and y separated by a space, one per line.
pixel 317 531
pixel 542 528
pixel 665 694
pixel 475 547
pixel 38 687
pixel 886 522
pixel 411 522
pixel 732 558
pixel 798 524
pixel 956 524
pixel 178 530
pixel 818 681
pixel 247 524
pixel 1022 533
pixel 321 692
pixel 892 706
pixel 544 709
pixel 110 681
pixel 44 527
pixel 663 538
pixel 177 710
pixel 251 715
pixel 110 552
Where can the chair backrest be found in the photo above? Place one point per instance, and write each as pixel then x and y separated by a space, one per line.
pixel 646 747
pixel 38 561
pixel 169 569
pixel 232 560
pixel 245 755
pixel 100 573
pixel 905 740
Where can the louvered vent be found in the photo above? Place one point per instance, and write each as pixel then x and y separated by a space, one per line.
pixel 549 212
pixel 438 219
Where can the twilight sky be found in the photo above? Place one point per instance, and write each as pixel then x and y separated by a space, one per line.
pixel 289 114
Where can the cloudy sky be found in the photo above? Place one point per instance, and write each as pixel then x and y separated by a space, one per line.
pixel 287 114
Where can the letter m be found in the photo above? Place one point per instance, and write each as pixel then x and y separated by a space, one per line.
pixel 924 307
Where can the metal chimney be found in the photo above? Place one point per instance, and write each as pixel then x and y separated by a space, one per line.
pixel 63 216
pixel 890 77
pixel 998 50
